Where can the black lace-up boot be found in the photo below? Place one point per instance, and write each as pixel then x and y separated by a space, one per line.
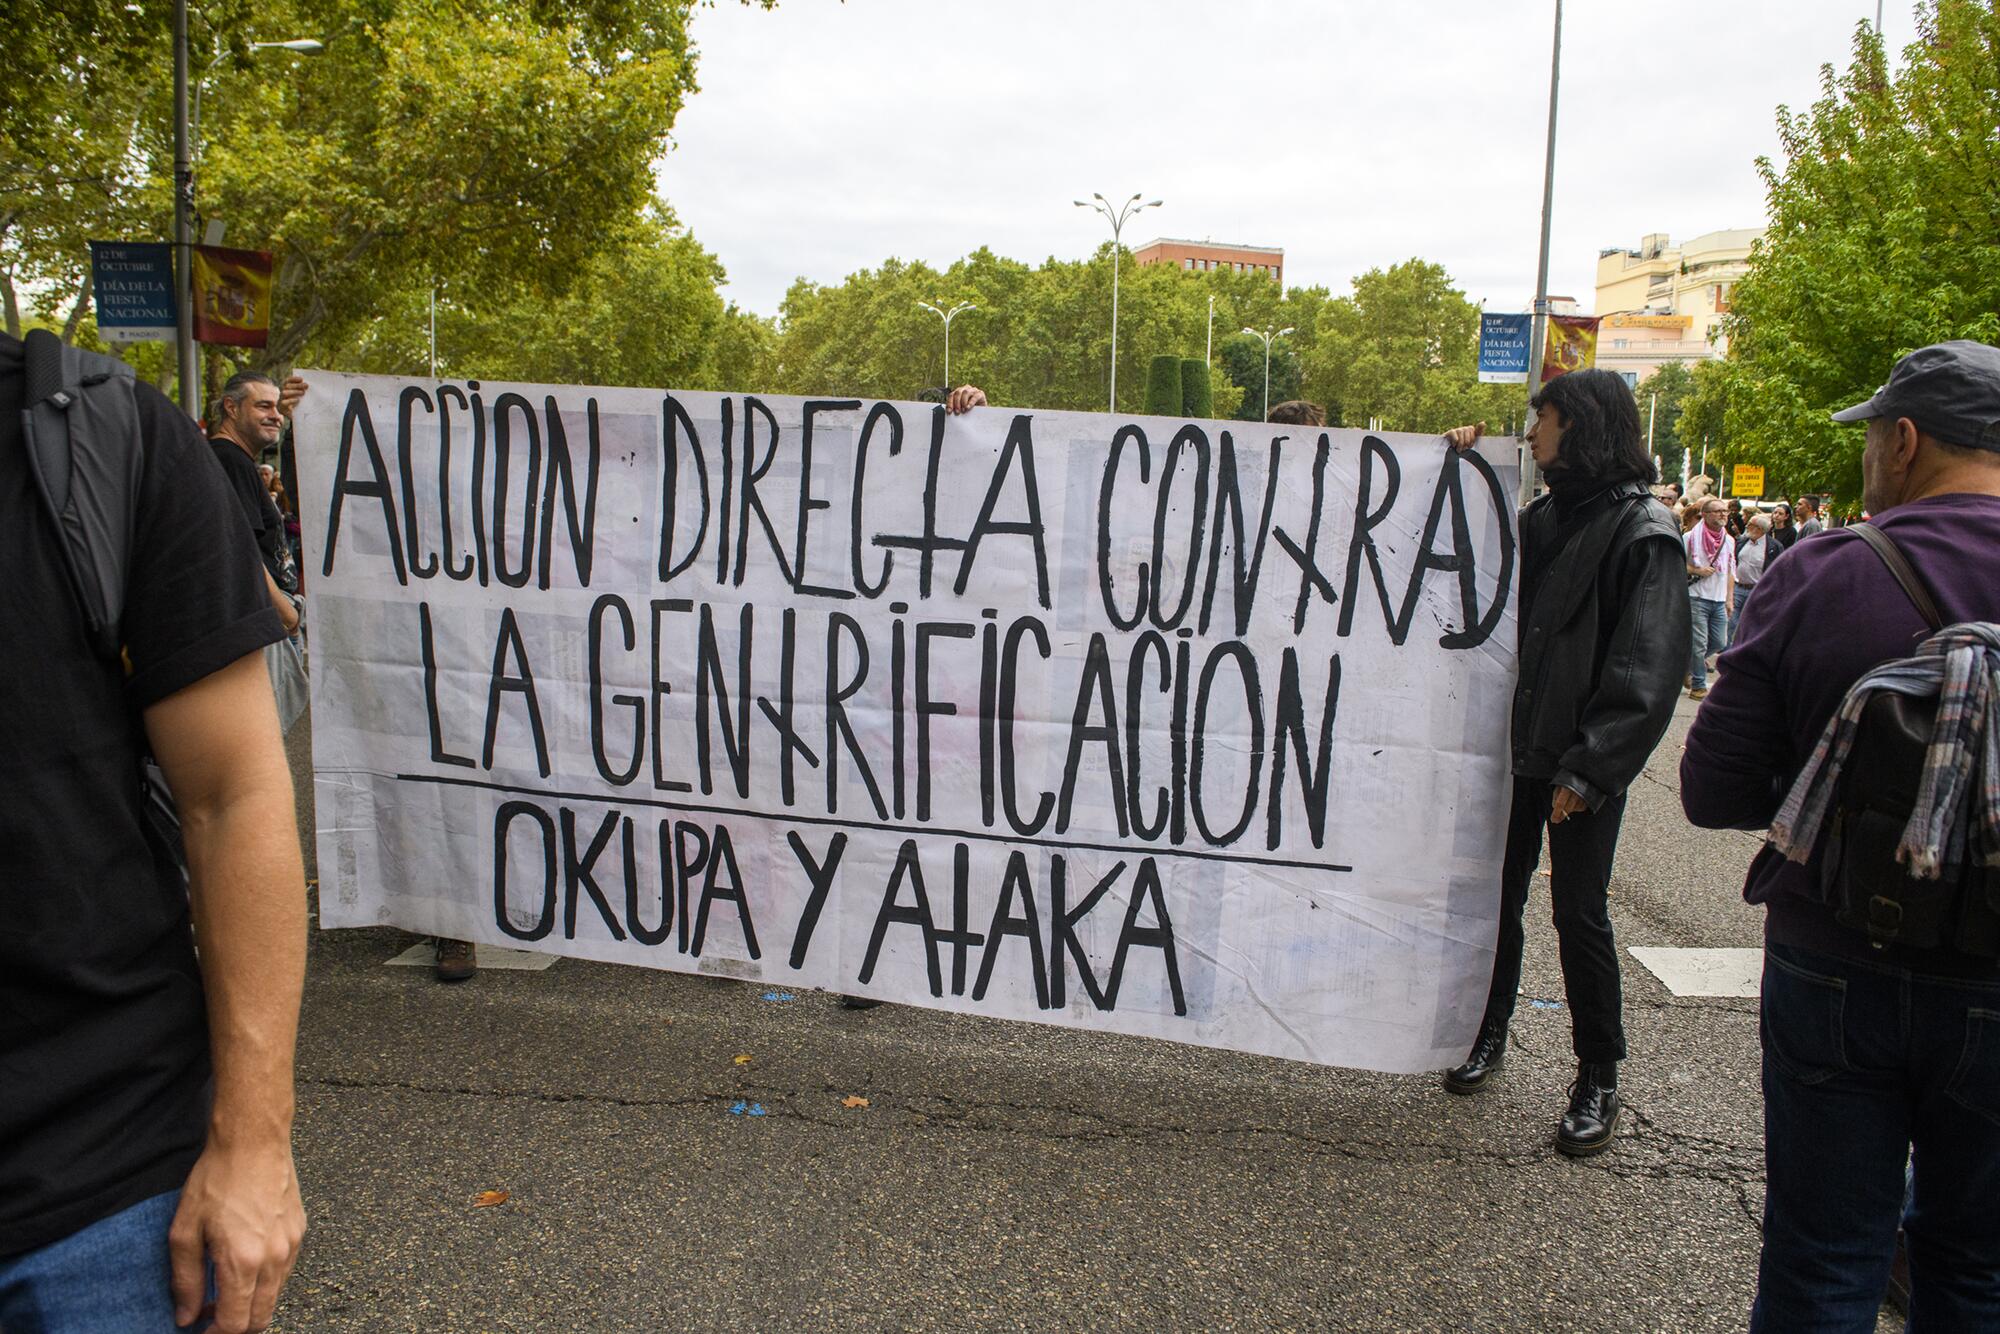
pixel 1489 1053
pixel 1594 1109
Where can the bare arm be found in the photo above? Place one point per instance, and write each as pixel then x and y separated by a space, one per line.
pixel 217 741
pixel 281 602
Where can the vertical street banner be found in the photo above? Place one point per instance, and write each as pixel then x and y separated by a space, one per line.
pixel 1503 348
pixel 232 296
pixel 1571 345
pixel 1187 729
pixel 132 284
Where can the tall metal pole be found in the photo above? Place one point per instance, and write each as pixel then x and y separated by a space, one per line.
pixel 183 223
pixel 1538 338
pixel 948 316
pixel 1130 209
pixel 1267 377
pixel 434 329
pixel 1115 248
pixel 1652 412
pixel 1268 336
pixel 1208 351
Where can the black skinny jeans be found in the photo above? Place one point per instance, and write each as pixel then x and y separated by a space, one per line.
pixel 1580 850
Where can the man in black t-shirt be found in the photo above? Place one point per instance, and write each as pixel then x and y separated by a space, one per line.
pixel 249 419
pixel 145 1095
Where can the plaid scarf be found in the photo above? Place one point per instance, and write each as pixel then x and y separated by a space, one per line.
pixel 1958 799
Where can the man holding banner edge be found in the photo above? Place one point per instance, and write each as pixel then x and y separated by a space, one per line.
pixel 1603 616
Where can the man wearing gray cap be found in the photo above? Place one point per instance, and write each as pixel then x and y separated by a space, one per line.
pixel 1869 1050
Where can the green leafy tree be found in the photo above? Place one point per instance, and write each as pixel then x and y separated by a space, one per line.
pixel 1242 357
pixel 1225 395
pixel 482 147
pixel 645 311
pixel 1884 237
pixel 1404 350
pixel 1041 336
pixel 1662 398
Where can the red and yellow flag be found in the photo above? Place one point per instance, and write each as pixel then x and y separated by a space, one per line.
pixel 1571 346
pixel 232 296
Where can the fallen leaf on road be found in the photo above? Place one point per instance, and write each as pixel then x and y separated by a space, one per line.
pixel 853 1100
pixel 486 1199
pixel 744 1059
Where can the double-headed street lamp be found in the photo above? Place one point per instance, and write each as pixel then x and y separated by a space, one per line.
pixel 1267 335
pixel 1125 213
pixel 948 316
pixel 184 192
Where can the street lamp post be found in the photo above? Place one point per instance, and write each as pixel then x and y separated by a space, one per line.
pixel 948 316
pixel 1267 335
pixel 186 127
pixel 302 46
pixel 1208 351
pixel 1125 214
pixel 1538 338
pixel 183 199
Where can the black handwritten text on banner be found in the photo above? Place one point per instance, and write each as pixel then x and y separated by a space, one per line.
pixel 1195 730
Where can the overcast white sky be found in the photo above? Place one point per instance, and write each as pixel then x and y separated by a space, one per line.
pixel 828 137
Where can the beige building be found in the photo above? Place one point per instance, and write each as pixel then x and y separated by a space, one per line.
pixel 1664 302
pixel 1207 255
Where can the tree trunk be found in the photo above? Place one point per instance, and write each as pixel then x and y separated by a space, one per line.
pixel 8 300
pixel 77 310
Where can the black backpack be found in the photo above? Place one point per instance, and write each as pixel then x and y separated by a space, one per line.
pixel 1876 791
pixel 80 427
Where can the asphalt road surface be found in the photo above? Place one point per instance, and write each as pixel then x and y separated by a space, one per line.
pixel 1005 1175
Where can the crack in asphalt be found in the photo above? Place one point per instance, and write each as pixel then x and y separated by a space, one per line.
pixel 1648 1152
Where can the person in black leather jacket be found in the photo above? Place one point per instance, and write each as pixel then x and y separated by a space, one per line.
pixel 1604 629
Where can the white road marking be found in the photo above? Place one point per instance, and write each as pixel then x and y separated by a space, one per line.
pixel 424 954
pixel 1690 972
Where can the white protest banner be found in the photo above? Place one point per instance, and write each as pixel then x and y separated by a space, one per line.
pixel 1194 730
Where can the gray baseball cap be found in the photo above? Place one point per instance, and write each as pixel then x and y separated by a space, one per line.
pixel 1951 390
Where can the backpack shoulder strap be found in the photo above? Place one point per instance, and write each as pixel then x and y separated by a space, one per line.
pixel 1906 575
pixel 80 422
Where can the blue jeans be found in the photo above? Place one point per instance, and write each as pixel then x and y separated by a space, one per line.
pixel 110 1278
pixel 1743 592
pixel 1865 1063
pixel 1711 635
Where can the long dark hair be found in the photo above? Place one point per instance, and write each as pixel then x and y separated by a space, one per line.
pixel 1601 435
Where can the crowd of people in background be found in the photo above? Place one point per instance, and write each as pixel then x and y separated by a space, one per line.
pixel 1730 543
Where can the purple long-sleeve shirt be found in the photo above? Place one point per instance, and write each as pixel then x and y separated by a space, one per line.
pixel 1826 611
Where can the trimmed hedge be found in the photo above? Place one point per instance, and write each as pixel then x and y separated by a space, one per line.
pixel 1197 396
pixel 1163 388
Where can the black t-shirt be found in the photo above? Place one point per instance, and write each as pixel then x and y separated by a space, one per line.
pixel 266 524
pixel 103 1038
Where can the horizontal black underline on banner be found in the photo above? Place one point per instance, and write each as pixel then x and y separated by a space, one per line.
pixel 788 817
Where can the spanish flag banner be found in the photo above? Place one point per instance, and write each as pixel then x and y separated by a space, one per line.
pixel 232 296
pixel 1571 345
